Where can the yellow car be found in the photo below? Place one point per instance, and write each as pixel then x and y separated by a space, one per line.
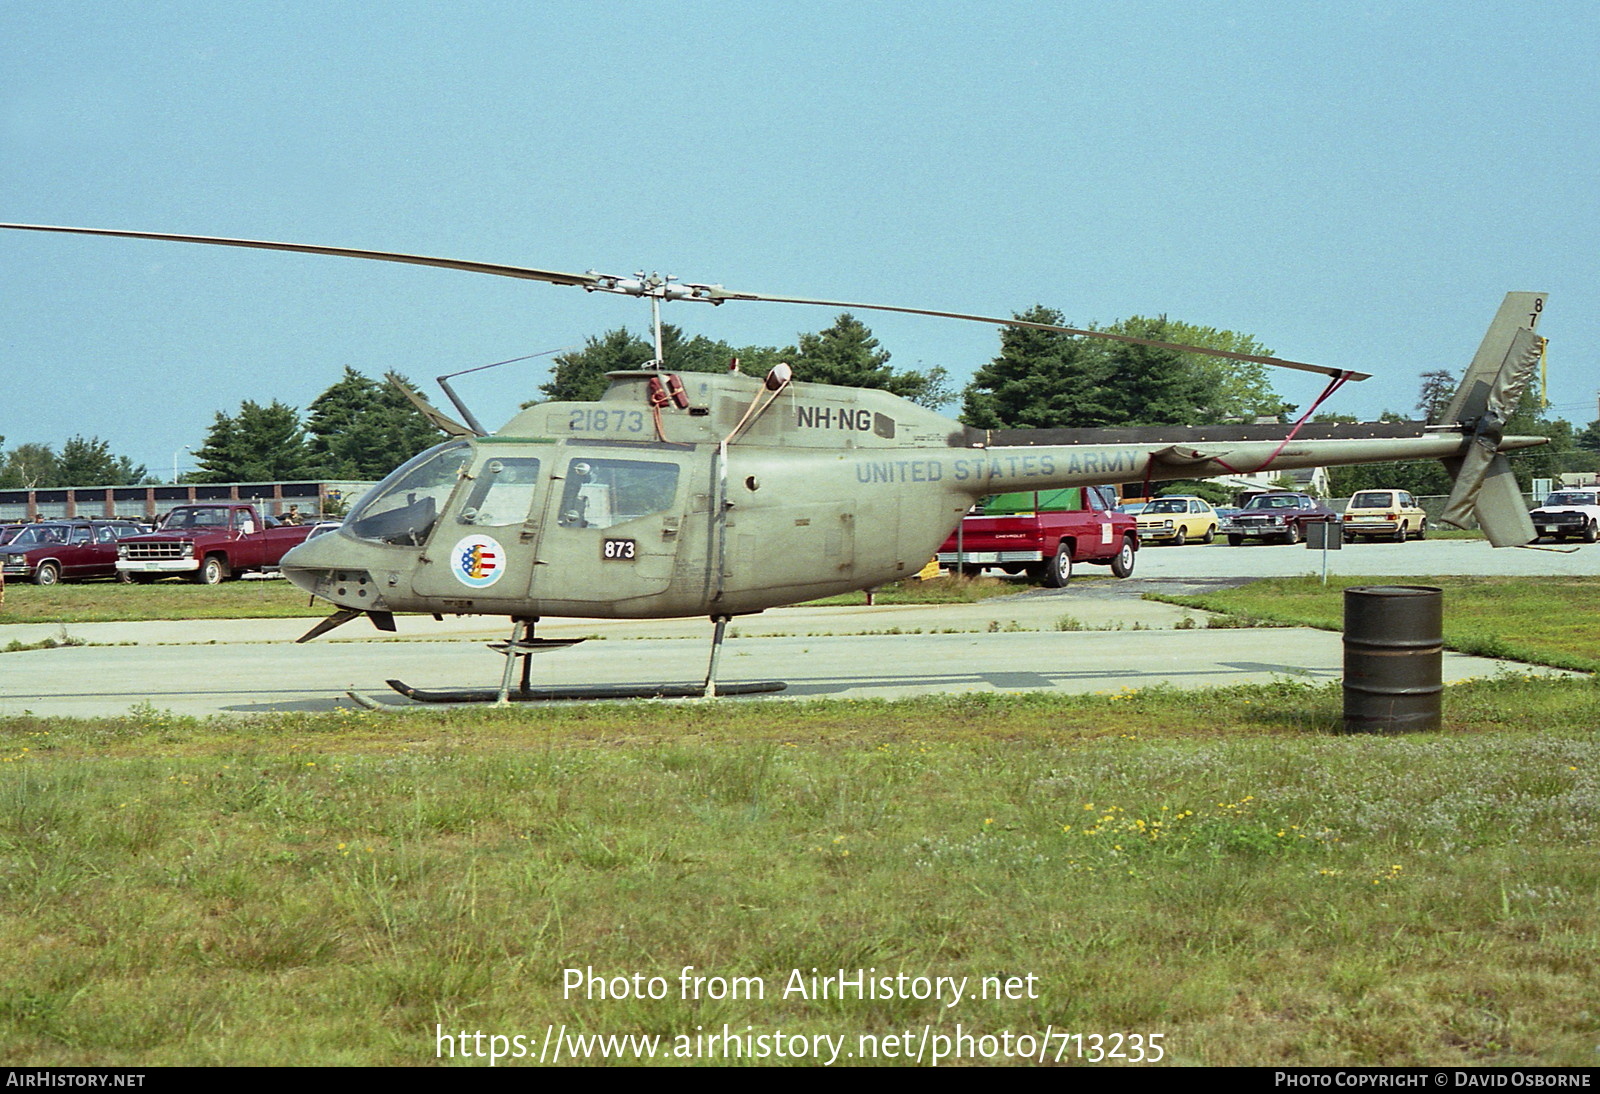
pixel 1177 519
pixel 1386 514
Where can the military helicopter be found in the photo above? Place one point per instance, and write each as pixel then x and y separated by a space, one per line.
pixel 722 495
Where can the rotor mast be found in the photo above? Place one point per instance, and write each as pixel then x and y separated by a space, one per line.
pixel 657 287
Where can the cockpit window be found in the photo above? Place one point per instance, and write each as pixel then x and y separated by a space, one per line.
pixel 601 493
pixel 403 508
pixel 502 493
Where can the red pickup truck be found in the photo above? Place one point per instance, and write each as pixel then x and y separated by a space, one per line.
pixel 210 543
pixel 1043 532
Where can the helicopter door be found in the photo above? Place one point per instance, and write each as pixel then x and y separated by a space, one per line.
pixel 483 548
pixel 615 532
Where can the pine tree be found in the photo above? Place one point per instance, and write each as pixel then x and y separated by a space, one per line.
pixel 260 444
pixel 89 462
pixel 360 428
pixel 847 354
pixel 1040 380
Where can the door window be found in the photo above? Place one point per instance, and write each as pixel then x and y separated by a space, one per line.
pixel 502 493
pixel 601 493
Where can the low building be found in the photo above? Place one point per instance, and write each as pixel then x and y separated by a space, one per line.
pixel 314 499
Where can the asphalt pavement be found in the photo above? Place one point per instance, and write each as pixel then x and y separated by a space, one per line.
pixel 1096 635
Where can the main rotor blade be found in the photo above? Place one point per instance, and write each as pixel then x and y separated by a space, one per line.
pixel 665 289
pixel 554 277
pixel 718 295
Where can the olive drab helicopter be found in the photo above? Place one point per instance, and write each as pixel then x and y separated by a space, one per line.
pixel 725 494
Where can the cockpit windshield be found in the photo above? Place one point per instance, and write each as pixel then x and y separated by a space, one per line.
pixel 402 508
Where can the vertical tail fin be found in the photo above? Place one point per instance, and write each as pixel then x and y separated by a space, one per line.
pixel 1518 311
pixel 1484 486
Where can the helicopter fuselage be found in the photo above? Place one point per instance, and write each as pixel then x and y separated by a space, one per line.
pixel 730 499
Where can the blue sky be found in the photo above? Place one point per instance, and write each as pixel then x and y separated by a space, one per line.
pixel 1354 184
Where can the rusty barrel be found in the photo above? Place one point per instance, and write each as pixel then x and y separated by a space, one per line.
pixel 1393 658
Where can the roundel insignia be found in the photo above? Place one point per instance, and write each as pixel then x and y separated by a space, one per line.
pixel 477 562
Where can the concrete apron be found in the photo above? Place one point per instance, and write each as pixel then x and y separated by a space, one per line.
pixel 1033 642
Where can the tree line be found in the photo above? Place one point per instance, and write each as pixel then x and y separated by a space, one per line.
pixel 359 428
pixel 82 461
pixel 1040 379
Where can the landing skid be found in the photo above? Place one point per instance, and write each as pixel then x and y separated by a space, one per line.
pixel 523 645
pixel 595 691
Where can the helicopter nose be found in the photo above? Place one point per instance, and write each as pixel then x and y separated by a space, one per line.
pixel 328 567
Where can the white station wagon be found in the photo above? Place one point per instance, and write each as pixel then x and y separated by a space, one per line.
pixel 1386 514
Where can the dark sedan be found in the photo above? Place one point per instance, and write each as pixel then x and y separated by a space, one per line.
pixel 64 550
pixel 1279 515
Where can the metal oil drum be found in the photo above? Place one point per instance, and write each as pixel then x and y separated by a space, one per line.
pixel 1393 655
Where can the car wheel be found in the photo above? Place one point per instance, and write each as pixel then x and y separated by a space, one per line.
pixel 48 573
pixel 213 571
pixel 1235 541
pixel 1402 533
pixel 1179 538
pixel 1422 530
pixel 1292 535
pixel 1122 565
pixel 1591 533
pixel 1211 534
pixel 1058 571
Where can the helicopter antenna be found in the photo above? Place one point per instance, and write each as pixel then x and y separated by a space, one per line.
pixel 444 382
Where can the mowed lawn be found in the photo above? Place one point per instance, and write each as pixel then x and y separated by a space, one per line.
pixel 1219 873
pixel 1218 868
pixel 1544 620
pixel 110 602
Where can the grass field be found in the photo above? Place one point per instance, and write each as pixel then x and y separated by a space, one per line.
pixel 1214 867
pixel 109 602
pixel 1541 620
pixel 1219 868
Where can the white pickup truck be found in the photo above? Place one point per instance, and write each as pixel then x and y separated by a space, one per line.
pixel 1569 513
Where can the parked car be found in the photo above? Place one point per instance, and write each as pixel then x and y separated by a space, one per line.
pixel 1132 508
pixel 1277 515
pixel 1176 519
pixel 1568 514
pixel 1389 514
pixel 64 550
